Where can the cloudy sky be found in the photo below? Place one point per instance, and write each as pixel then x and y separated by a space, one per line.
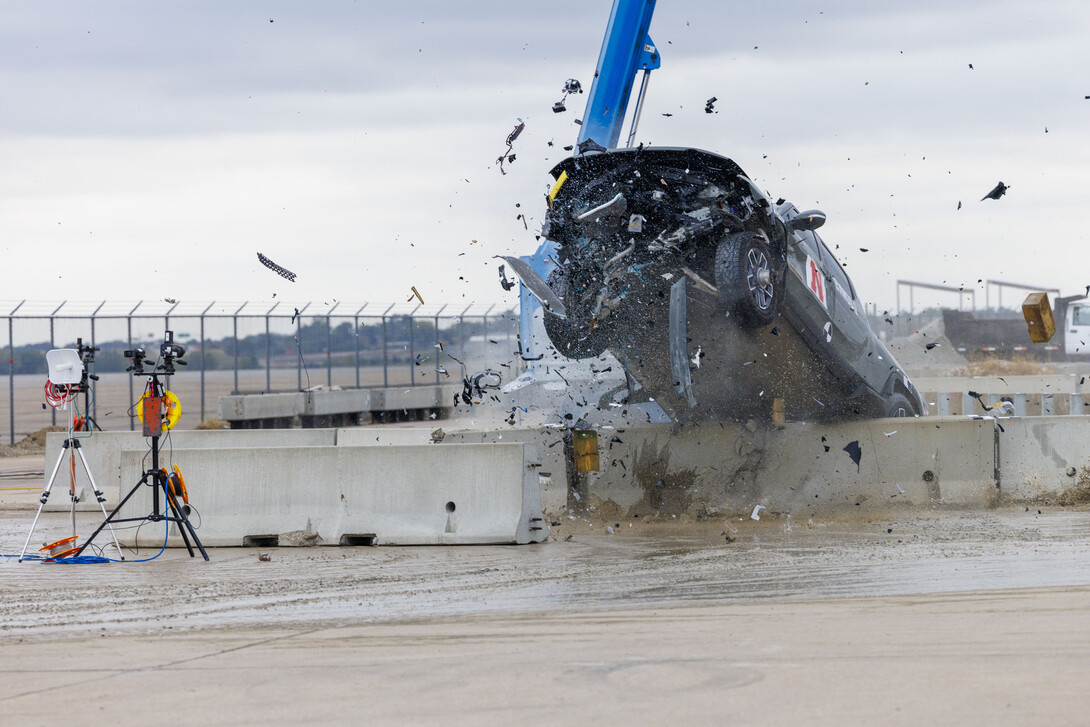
pixel 152 149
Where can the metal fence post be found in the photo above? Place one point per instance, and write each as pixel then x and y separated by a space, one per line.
pixel 412 346
pixel 94 384
pixel 132 415
pixel 329 345
pixel 234 320
pixel 385 355
pixel 462 331
pixel 203 312
pixel 299 347
pixel 268 349
pixel 437 349
pixel 356 330
pixel 52 345
pixel 11 369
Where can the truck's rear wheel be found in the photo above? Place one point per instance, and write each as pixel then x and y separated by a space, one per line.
pixel 746 277
pixel 898 405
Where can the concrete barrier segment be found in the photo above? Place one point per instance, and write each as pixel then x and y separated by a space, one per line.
pixel 1045 459
pixel 330 495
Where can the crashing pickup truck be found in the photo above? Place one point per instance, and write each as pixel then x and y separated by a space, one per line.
pixel 715 299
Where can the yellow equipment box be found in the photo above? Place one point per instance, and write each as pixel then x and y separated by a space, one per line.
pixel 1038 315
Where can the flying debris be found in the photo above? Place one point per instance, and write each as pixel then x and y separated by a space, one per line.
pixel 282 272
pixel 172 301
pixel 417 294
pixel 504 282
pixel 959 204
pixel 507 155
pixel 709 105
pixel 998 191
pixel 855 452
pixel 570 86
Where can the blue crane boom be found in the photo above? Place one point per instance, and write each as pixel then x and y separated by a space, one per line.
pixel 626 50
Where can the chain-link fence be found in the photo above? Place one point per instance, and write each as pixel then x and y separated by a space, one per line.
pixel 246 347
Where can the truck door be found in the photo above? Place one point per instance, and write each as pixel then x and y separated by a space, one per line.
pixel 1077 329
pixel 850 327
pixel 808 282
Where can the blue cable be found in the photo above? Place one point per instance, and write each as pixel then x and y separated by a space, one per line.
pixel 81 559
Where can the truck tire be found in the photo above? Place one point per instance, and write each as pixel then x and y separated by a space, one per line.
pixel 898 405
pixel 570 336
pixel 745 275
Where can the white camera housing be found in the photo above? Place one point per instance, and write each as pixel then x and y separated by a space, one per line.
pixel 65 366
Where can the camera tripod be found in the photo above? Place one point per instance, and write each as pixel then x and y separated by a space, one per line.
pixel 71 447
pixel 155 477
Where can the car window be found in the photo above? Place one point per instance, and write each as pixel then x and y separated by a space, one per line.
pixel 838 272
pixel 1081 315
pixel 809 244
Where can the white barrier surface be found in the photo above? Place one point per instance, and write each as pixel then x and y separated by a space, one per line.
pixel 1044 458
pixel 103 453
pixel 405 495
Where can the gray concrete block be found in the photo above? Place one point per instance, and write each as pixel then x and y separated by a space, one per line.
pixel 407 495
pixel 260 406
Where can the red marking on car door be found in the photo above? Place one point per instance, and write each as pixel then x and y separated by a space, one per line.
pixel 816 280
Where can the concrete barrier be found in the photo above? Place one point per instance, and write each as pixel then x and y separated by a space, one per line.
pixel 544 452
pixel 406 495
pixel 332 407
pixel 251 407
pixel 103 453
pixel 1045 459
pixel 651 470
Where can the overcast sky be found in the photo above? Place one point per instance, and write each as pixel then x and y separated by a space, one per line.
pixel 151 150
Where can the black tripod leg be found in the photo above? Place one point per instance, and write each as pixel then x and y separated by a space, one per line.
pixel 110 517
pixel 184 525
pixel 176 516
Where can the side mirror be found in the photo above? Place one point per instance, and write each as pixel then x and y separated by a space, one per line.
pixel 808 220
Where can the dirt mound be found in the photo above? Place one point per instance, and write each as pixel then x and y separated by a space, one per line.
pixel 993 366
pixel 913 353
pixel 33 443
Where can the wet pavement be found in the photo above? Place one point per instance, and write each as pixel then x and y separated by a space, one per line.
pixel 640 564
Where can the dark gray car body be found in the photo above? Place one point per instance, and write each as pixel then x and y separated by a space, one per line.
pixel 638 232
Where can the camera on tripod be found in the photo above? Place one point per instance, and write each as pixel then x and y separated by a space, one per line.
pixel 170 354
